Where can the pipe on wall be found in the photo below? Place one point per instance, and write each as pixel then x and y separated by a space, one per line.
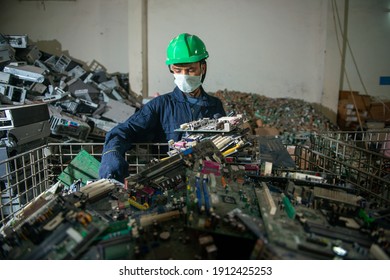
pixel 145 70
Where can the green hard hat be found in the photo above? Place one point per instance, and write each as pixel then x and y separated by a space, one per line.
pixel 186 48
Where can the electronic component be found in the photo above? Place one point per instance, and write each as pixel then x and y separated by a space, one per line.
pixel 57 230
pixel 267 197
pixel 14 94
pixel 5 78
pixel 118 111
pixel 79 106
pixel 97 189
pixel 7 53
pixel 76 72
pixel 271 149
pixel 222 124
pixel 17 41
pixel 26 72
pixel 66 125
pixel 62 63
pixel 32 55
pixel 24 124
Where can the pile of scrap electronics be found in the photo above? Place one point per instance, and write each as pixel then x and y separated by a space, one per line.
pixel 57 96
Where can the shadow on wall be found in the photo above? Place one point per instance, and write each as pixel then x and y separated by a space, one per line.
pixel 53 46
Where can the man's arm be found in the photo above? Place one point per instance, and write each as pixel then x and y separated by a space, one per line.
pixel 120 139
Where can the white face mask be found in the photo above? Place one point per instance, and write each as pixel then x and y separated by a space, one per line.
pixel 187 83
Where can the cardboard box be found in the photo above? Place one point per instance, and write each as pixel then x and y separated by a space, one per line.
pixel 351 105
pixel 380 111
pixel 345 94
pixel 362 102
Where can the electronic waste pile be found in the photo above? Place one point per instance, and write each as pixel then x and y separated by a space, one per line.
pixel 46 97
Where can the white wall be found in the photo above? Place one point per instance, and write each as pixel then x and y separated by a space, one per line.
pixel 270 47
pixel 369 38
pixel 87 29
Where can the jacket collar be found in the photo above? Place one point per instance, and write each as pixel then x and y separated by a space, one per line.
pixel 179 96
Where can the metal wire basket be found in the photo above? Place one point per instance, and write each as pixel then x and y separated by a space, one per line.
pixel 359 160
pixel 27 175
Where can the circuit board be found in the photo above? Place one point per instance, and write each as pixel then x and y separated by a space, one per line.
pixel 57 231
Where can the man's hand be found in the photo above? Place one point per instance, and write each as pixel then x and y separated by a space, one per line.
pixel 113 165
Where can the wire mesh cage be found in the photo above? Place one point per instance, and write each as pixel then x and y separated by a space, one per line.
pixel 27 175
pixel 358 160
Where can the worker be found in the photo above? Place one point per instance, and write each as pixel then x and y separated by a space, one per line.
pixel 158 119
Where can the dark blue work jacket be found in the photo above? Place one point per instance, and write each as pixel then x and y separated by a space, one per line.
pixel 157 120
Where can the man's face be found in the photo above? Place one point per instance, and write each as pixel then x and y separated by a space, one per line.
pixel 191 69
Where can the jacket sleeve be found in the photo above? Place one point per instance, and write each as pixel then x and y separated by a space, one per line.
pixel 135 129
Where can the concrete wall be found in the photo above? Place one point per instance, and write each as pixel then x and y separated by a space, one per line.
pixel 277 48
